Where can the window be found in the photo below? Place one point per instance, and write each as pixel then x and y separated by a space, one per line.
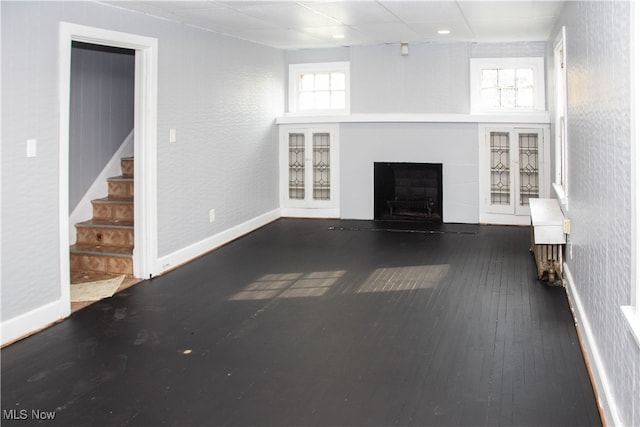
pixel 507 85
pixel 319 88
pixel 632 311
pixel 560 61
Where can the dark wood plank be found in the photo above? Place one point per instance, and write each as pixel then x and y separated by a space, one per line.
pixel 319 322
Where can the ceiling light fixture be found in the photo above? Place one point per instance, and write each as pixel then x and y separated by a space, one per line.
pixel 444 32
pixel 338 36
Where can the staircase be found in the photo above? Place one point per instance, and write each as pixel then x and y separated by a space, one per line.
pixel 104 244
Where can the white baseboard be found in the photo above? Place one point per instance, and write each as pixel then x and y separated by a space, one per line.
pixel 503 219
pixel 41 317
pixel 195 250
pixel 605 398
pixel 32 321
pixel 84 210
pixel 311 212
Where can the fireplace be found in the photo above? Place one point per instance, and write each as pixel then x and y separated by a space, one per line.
pixel 407 191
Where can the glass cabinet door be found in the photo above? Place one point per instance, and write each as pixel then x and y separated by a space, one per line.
pixel 501 181
pixel 513 159
pixel 321 166
pixel 308 159
pixel 296 166
pixel 529 172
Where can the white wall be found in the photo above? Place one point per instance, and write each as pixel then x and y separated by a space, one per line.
pixel 599 177
pixel 433 78
pixel 101 112
pixel 221 95
pixel 452 144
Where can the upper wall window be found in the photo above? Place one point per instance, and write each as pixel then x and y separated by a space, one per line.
pixel 319 88
pixel 507 85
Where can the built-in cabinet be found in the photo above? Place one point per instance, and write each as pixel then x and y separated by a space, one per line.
pixel 513 169
pixel 309 173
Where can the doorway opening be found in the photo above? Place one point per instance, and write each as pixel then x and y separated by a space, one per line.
pixel 144 134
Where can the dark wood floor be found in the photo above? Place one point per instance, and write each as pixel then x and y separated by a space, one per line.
pixel 319 322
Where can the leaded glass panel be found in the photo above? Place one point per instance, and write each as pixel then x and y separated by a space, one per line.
pixel 528 147
pixel 321 166
pixel 296 166
pixel 500 171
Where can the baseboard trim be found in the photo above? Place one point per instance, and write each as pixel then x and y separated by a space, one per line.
pixel 191 252
pixel 26 324
pixel 31 322
pixel 311 212
pixel 599 379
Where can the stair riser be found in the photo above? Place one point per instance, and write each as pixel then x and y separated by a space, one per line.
pixel 126 165
pixel 102 263
pixel 105 236
pixel 121 189
pixel 113 211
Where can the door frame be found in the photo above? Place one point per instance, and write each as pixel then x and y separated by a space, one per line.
pixel 145 253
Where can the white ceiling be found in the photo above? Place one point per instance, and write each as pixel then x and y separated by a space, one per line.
pixel 313 24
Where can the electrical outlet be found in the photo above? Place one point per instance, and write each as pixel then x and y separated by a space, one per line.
pixel 172 135
pixel 212 215
pixel 31 147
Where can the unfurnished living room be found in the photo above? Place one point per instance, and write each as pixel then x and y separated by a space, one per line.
pixel 320 213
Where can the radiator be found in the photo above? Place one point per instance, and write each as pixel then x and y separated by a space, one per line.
pixel 548 260
pixel 548 236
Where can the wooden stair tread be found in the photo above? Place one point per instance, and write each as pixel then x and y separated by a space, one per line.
pixel 101 250
pixel 106 200
pixel 103 223
pixel 121 178
pixel 104 247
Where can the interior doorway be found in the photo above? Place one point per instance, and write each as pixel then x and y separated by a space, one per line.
pixel 144 135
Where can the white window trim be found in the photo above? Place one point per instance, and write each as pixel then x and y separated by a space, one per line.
pixel 475 75
pixel 560 185
pixel 632 311
pixel 294 72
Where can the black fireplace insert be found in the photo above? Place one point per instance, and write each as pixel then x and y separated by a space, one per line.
pixel 408 191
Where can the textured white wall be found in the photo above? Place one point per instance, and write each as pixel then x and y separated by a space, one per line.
pixel 221 95
pixel 598 66
pixel 454 145
pixel 433 78
pixel 101 112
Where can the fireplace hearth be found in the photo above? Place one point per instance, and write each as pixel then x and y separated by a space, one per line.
pixel 408 191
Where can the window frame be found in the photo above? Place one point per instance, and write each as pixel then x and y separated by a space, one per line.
pixel 632 310
pixel 295 70
pixel 560 184
pixel 476 65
